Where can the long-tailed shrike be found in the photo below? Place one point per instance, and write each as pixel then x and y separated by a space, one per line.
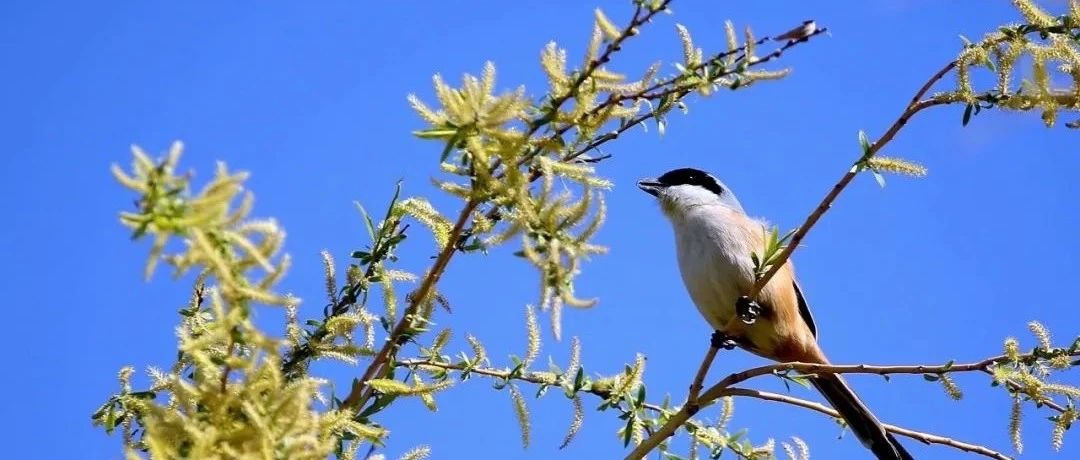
pixel 714 239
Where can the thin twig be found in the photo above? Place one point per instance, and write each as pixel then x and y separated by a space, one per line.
pixel 670 87
pixel 916 105
pixel 551 379
pixel 360 392
pixel 306 350
pixel 717 390
pixel 926 438
pixel 720 389
pixel 699 379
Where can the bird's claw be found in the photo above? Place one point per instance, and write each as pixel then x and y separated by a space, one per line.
pixel 722 340
pixel 747 309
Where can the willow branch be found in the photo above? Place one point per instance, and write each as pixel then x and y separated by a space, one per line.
pixel 721 388
pixel 985 366
pixel 914 106
pixel 667 88
pixel 306 350
pixel 360 392
pixel 926 438
pixel 539 378
pixel 699 379
pixel 670 87
pixel 630 30
pixel 542 378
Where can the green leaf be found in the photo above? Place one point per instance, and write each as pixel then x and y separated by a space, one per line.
pixel 879 178
pixel 864 143
pixel 450 144
pixel 436 133
pixel 967 115
pixel 367 220
pixel 110 420
pixel 787 236
pixel 802 380
pixel 393 201
pixel 931 377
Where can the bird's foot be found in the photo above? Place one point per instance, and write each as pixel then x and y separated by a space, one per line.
pixel 722 340
pixel 747 309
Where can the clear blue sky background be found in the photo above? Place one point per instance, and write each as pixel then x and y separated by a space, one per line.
pixel 311 99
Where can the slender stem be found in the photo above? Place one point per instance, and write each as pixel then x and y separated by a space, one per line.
pixel 550 379
pixel 360 392
pixel 304 351
pixel 812 368
pixel 549 115
pixel 659 90
pixel 927 438
pixel 665 88
pixel 985 366
pixel 699 379
pixel 721 388
pixel 840 185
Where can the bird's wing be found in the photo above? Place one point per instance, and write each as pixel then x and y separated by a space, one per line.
pixel 804 309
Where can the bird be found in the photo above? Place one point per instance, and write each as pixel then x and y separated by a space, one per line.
pixel 714 240
pixel 802 31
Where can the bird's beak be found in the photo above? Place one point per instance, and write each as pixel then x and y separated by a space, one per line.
pixel 650 186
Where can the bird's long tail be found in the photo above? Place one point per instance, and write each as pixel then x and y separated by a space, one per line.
pixel 861 421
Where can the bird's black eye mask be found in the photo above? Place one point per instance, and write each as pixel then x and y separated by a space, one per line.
pixel 691 176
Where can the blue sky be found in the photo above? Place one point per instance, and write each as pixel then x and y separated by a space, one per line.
pixel 311 99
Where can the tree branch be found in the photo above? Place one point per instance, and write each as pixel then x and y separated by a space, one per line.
pixel 926 438
pixel 545 378
pixel 721 388
pixel 666 88
pixel 915 106
pixel 360 392
pixel 306 350
pixel 658 91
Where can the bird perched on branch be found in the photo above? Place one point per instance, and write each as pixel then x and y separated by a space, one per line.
pixel 714 241
pixel 803 31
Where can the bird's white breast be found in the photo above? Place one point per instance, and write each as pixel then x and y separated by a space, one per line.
pixel 713 247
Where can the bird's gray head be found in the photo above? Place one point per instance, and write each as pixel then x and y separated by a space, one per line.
pixel 681 189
